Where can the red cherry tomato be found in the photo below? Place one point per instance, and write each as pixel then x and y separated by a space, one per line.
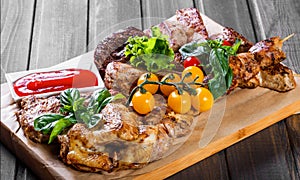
pixel 191 61
pixel 226 43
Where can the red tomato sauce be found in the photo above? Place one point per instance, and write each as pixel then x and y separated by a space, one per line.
pixel 43 82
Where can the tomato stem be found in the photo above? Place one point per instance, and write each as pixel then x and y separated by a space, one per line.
pixel 180 86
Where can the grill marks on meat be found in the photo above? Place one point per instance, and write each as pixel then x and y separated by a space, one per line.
pixel 185 27
pixel 190 17
pixel 30 108
pixel 261 67
pixel 277 77
pixel 244 68
pixel 121 141
pixel 268 52
pixel 111 48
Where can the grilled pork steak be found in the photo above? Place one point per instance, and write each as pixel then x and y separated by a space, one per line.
pixel 30 108
pixel 121 140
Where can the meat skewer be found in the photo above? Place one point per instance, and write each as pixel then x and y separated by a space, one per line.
pixel 261 67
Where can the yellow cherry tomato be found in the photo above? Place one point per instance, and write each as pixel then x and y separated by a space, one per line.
pixel 143 103
pixel 203 100
pixel 195 72
pixel 179 103
pixel 152 88
pixel 166 89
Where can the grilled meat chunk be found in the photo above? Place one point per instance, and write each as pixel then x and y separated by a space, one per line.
pixel 244 68
pixel 187 26
pixel 191 18
pixel 111 48
pixel 231 36
pixel 121 77
pixel 30 108
pixel 268 52
pixel 261 67
pixel 120 141
pixel 277 77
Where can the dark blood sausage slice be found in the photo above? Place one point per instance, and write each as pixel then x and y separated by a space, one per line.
pixel 110 49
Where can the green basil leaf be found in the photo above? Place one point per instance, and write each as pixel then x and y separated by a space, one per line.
pixel 94 120
pixel 229 77
pixel 236 46
pixel 67 99
pixel 46 122
pixel 110 99
pixel 217 86
pixel 59 127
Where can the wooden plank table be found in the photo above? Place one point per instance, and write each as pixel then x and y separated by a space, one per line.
pixel 36 34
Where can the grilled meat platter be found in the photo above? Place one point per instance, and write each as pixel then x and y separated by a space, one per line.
pixel 150 99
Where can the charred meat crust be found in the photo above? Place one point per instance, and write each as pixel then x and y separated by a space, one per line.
pixel 107 50
pixel 268 52
pixel 122 141
pixel 30 108
pixel 190 17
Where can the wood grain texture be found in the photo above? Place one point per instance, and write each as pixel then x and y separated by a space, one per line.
pixel 16 22
pixel 213 167
pixel 264 155
pixel 232 13
pixel 293 127
pixel 154 11
pixel 279 18
pixel 8 164
pixel 106 17
pixel 59 32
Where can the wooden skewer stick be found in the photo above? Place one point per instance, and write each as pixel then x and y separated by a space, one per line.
pixel 288 37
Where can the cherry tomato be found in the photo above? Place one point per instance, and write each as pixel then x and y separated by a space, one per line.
pixel 195 72
pixel 191 61
pixel 166 89
pixel 143 103
pixel 203 100
pixel 152 88
pixel 226 43
pixel 179 103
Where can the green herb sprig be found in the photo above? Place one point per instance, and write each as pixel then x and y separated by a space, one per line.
pixel 215 61
pixel 73 110
pixel 180 86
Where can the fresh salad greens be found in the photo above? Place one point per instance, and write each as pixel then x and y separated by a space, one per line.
pixel 215 61
pixel 73 110
pixel 153 53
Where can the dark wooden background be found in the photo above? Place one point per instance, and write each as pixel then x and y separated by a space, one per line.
pixel 36 34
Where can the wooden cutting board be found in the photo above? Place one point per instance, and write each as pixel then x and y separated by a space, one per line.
pixel 233 118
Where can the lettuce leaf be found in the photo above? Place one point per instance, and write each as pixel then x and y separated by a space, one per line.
pixel 153 54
